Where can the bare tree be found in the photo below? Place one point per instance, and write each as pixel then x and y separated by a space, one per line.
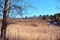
pixel 4 22
pixel 8 11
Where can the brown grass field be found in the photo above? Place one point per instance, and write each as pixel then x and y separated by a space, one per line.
pixel 32 29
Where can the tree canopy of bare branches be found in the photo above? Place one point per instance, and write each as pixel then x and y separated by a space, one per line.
pixel 11 8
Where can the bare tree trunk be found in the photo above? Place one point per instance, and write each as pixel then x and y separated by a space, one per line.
pixel 4 22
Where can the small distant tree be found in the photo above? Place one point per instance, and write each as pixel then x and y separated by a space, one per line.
pixel 40 16
pixel 51 16
pixel 44 17
pixel 34 16
pixel 26 17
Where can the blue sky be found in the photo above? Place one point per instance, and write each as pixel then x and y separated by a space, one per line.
pixel 43 7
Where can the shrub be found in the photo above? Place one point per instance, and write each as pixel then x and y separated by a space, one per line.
pixel 44 17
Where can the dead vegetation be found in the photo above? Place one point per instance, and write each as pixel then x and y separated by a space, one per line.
pixel 32 29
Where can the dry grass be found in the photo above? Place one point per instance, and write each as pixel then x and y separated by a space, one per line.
pixel 25 31
pixel 17 32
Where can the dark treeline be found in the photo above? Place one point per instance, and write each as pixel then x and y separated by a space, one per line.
pixel 56 18
pixel 40 17
pixel 53 18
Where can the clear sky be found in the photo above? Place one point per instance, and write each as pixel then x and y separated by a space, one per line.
pixel 43 7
